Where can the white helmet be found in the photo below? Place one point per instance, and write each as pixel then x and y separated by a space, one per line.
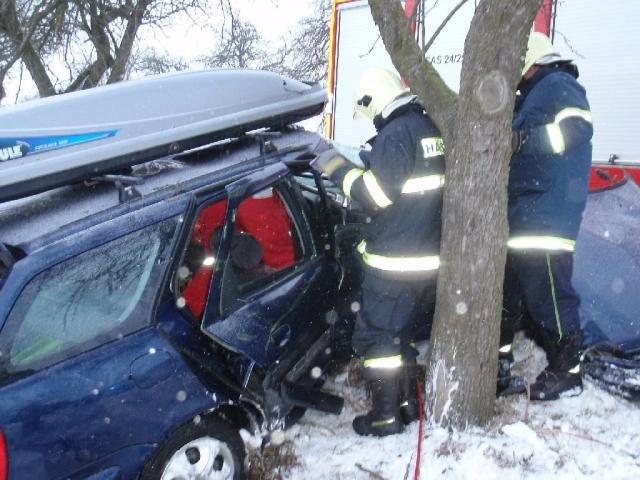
pixel 376 89
pixel 540 51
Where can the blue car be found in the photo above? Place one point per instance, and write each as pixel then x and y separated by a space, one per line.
pixel 147 317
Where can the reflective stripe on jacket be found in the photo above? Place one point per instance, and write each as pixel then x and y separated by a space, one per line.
pixel 548 178
pixel 425 263
pixel 412 185
pixel 387 363
pixel 540 242
pixel 400 188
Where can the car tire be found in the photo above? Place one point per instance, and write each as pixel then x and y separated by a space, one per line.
pixel 210 449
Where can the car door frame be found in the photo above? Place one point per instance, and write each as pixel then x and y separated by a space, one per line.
pixel 236 192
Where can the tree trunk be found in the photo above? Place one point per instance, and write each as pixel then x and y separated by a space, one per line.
pixel 123 52
pixel 95 23
pixel 22 44
pixel 422 77
pixel 462 367
pixel 37 70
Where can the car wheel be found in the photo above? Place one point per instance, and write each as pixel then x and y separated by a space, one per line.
pixel 209 450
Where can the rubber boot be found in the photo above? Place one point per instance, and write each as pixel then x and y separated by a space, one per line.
pixel 384 418
pixel 408 388
pixel 562 375
pixel 508 384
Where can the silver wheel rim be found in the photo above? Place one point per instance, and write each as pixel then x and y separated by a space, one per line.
pixel 204 458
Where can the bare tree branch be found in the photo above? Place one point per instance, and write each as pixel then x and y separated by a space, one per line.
pixel 307 58
pixel 442 25
pixel 151 62
pixel 439 99
pixel 94 38
pixel 123 51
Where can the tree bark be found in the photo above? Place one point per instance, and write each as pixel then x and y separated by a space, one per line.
pixel 409 60
pixel 35 31
pixel 462 366
pixel 126 44
pixel 95 23
pixel 11 26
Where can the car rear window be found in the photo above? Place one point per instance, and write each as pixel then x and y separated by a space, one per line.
pixel 93 298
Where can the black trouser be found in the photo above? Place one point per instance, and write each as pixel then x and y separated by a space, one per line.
pixel 539 282
pixel 392 304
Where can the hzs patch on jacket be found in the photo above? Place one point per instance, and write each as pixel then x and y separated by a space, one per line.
pixel 432 147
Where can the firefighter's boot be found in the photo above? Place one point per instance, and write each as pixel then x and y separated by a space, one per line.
pixel 562 375
pixel 384 418
pixel 409 388
pixel 508 384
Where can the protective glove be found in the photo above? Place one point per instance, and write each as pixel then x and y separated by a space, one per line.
pixel 328 162
pixel 365 158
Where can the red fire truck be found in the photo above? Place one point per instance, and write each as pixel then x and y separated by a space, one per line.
pixel 598 35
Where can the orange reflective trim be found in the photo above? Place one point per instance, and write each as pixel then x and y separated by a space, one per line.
pixel 333 54
pixel 328 124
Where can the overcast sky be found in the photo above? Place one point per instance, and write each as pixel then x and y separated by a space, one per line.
pixel 192 36
pixel 187 38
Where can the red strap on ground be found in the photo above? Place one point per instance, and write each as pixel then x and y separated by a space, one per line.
pixel 416 475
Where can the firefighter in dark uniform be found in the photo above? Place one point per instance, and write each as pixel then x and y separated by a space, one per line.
pixel 548 184
pixel 400 188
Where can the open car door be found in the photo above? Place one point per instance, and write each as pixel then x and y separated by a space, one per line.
pixel 274 284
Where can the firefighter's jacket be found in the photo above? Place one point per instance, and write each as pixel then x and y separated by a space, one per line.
pixel 400 189
pixel 548 180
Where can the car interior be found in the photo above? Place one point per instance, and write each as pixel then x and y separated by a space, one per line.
pixel 262 246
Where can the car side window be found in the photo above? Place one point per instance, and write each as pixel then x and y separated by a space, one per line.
pixel 265 244
pixel 194 275
pixel 88 300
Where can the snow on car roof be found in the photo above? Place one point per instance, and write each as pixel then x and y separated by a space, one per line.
pixel 26 219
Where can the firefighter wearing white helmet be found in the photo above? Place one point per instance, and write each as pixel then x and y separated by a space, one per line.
pixel 400 189
pixel 548 180
pixel 376 89
pixel 540 51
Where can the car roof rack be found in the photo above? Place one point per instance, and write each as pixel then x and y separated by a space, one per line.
pixel 102 131
pixel 25 220
pixel 124 183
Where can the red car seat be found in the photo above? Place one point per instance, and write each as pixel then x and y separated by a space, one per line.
pixel 265 217
pixel 195 292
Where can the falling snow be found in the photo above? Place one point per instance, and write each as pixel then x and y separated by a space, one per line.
pixel 461 308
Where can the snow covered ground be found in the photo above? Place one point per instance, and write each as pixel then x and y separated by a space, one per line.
pixel 593 435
